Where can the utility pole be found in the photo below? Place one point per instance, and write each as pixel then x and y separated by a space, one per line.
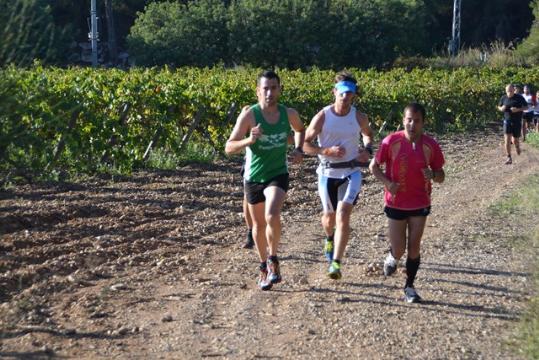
pixel 454 44
pixel 111 32
pixel 93 35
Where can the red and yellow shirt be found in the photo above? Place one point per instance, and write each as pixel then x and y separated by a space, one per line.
pixel 404 162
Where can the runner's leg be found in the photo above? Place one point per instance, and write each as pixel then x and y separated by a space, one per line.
pixel 397 237
pixel 247 214
pixel 259 229
pixel 507 140
pixel 342 230
pixel 416 226
pixel 249 241
pixel 328 223
pixel 275 197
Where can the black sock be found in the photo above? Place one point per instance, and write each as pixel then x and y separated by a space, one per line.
pixel 250 234
pixel 263 265
pixel 330 237
pixel 337 261
pixel 412 265
pixel 274 259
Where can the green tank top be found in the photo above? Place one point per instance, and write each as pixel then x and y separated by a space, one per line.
pixel 266 158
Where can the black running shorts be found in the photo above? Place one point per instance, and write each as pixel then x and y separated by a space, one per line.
pixel 512 127
pixel 254 191
pixel 397 214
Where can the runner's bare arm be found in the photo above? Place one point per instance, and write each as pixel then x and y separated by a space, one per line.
pixel 520 109
pixel 299 135
pixel 438 176
pixel 298 127
pixel 367 135
pixel 244 125
pixel 314 128
pixel 374 167
pixel 366 130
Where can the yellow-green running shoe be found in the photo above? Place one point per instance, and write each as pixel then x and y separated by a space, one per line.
pixel 334 271
pixel 328 250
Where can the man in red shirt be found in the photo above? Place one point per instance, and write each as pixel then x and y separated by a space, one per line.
pixel 411 159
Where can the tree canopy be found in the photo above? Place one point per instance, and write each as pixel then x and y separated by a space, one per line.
pixel 326 33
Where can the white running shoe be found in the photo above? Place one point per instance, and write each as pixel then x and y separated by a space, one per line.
pixel 410 295
pixel 390 265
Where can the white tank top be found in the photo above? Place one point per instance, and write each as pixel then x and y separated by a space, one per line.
pixel 339 131
pixel 529 100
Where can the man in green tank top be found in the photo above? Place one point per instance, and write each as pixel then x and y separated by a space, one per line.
pixel 263 131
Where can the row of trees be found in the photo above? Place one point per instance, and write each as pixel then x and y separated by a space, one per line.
pixel 231 30
pixel 529 48
pixel 285 33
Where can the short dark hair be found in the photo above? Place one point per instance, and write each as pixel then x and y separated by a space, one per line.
pixel 268 74
pixel 345 76
pixel 416 108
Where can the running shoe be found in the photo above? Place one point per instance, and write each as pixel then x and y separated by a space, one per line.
pixel 410 295
pixel 250 242
pixel 390 265
pixel 334 271
pixel 263 280
pixel 274 272
pixel 328 250
pixel 509 161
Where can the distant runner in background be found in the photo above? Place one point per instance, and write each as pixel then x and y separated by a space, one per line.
pixel 338 128
pixel 536 112
pixel 527 115
pixel 263 131
pixel 412 160
pixel 512 105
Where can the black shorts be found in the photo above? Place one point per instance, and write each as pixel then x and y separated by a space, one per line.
pixel 254 191
pixel 528 116
pixel 397 214
pixel 513 127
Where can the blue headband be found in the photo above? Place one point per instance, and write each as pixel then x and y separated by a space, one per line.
pixel 345 86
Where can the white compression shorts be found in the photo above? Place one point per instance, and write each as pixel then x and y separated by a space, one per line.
pixel 333 190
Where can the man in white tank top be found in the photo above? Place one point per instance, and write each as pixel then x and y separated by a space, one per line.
pixel 338 127
pixel 527 115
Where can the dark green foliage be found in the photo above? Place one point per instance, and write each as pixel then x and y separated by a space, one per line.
pixel 530 46
pixel 285 33
pixel 74 121
pixel 176 34
pixel 27 32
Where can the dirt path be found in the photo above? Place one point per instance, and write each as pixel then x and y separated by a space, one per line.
pixel 151 267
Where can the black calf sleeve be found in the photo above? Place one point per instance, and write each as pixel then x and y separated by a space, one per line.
pixel 412 265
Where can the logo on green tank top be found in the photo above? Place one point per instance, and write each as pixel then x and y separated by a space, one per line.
pixel 273 141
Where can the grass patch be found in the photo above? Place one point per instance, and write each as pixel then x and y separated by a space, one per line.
pixel 533 139
pixel 524 202
pixel 528 330
pixel 193 153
